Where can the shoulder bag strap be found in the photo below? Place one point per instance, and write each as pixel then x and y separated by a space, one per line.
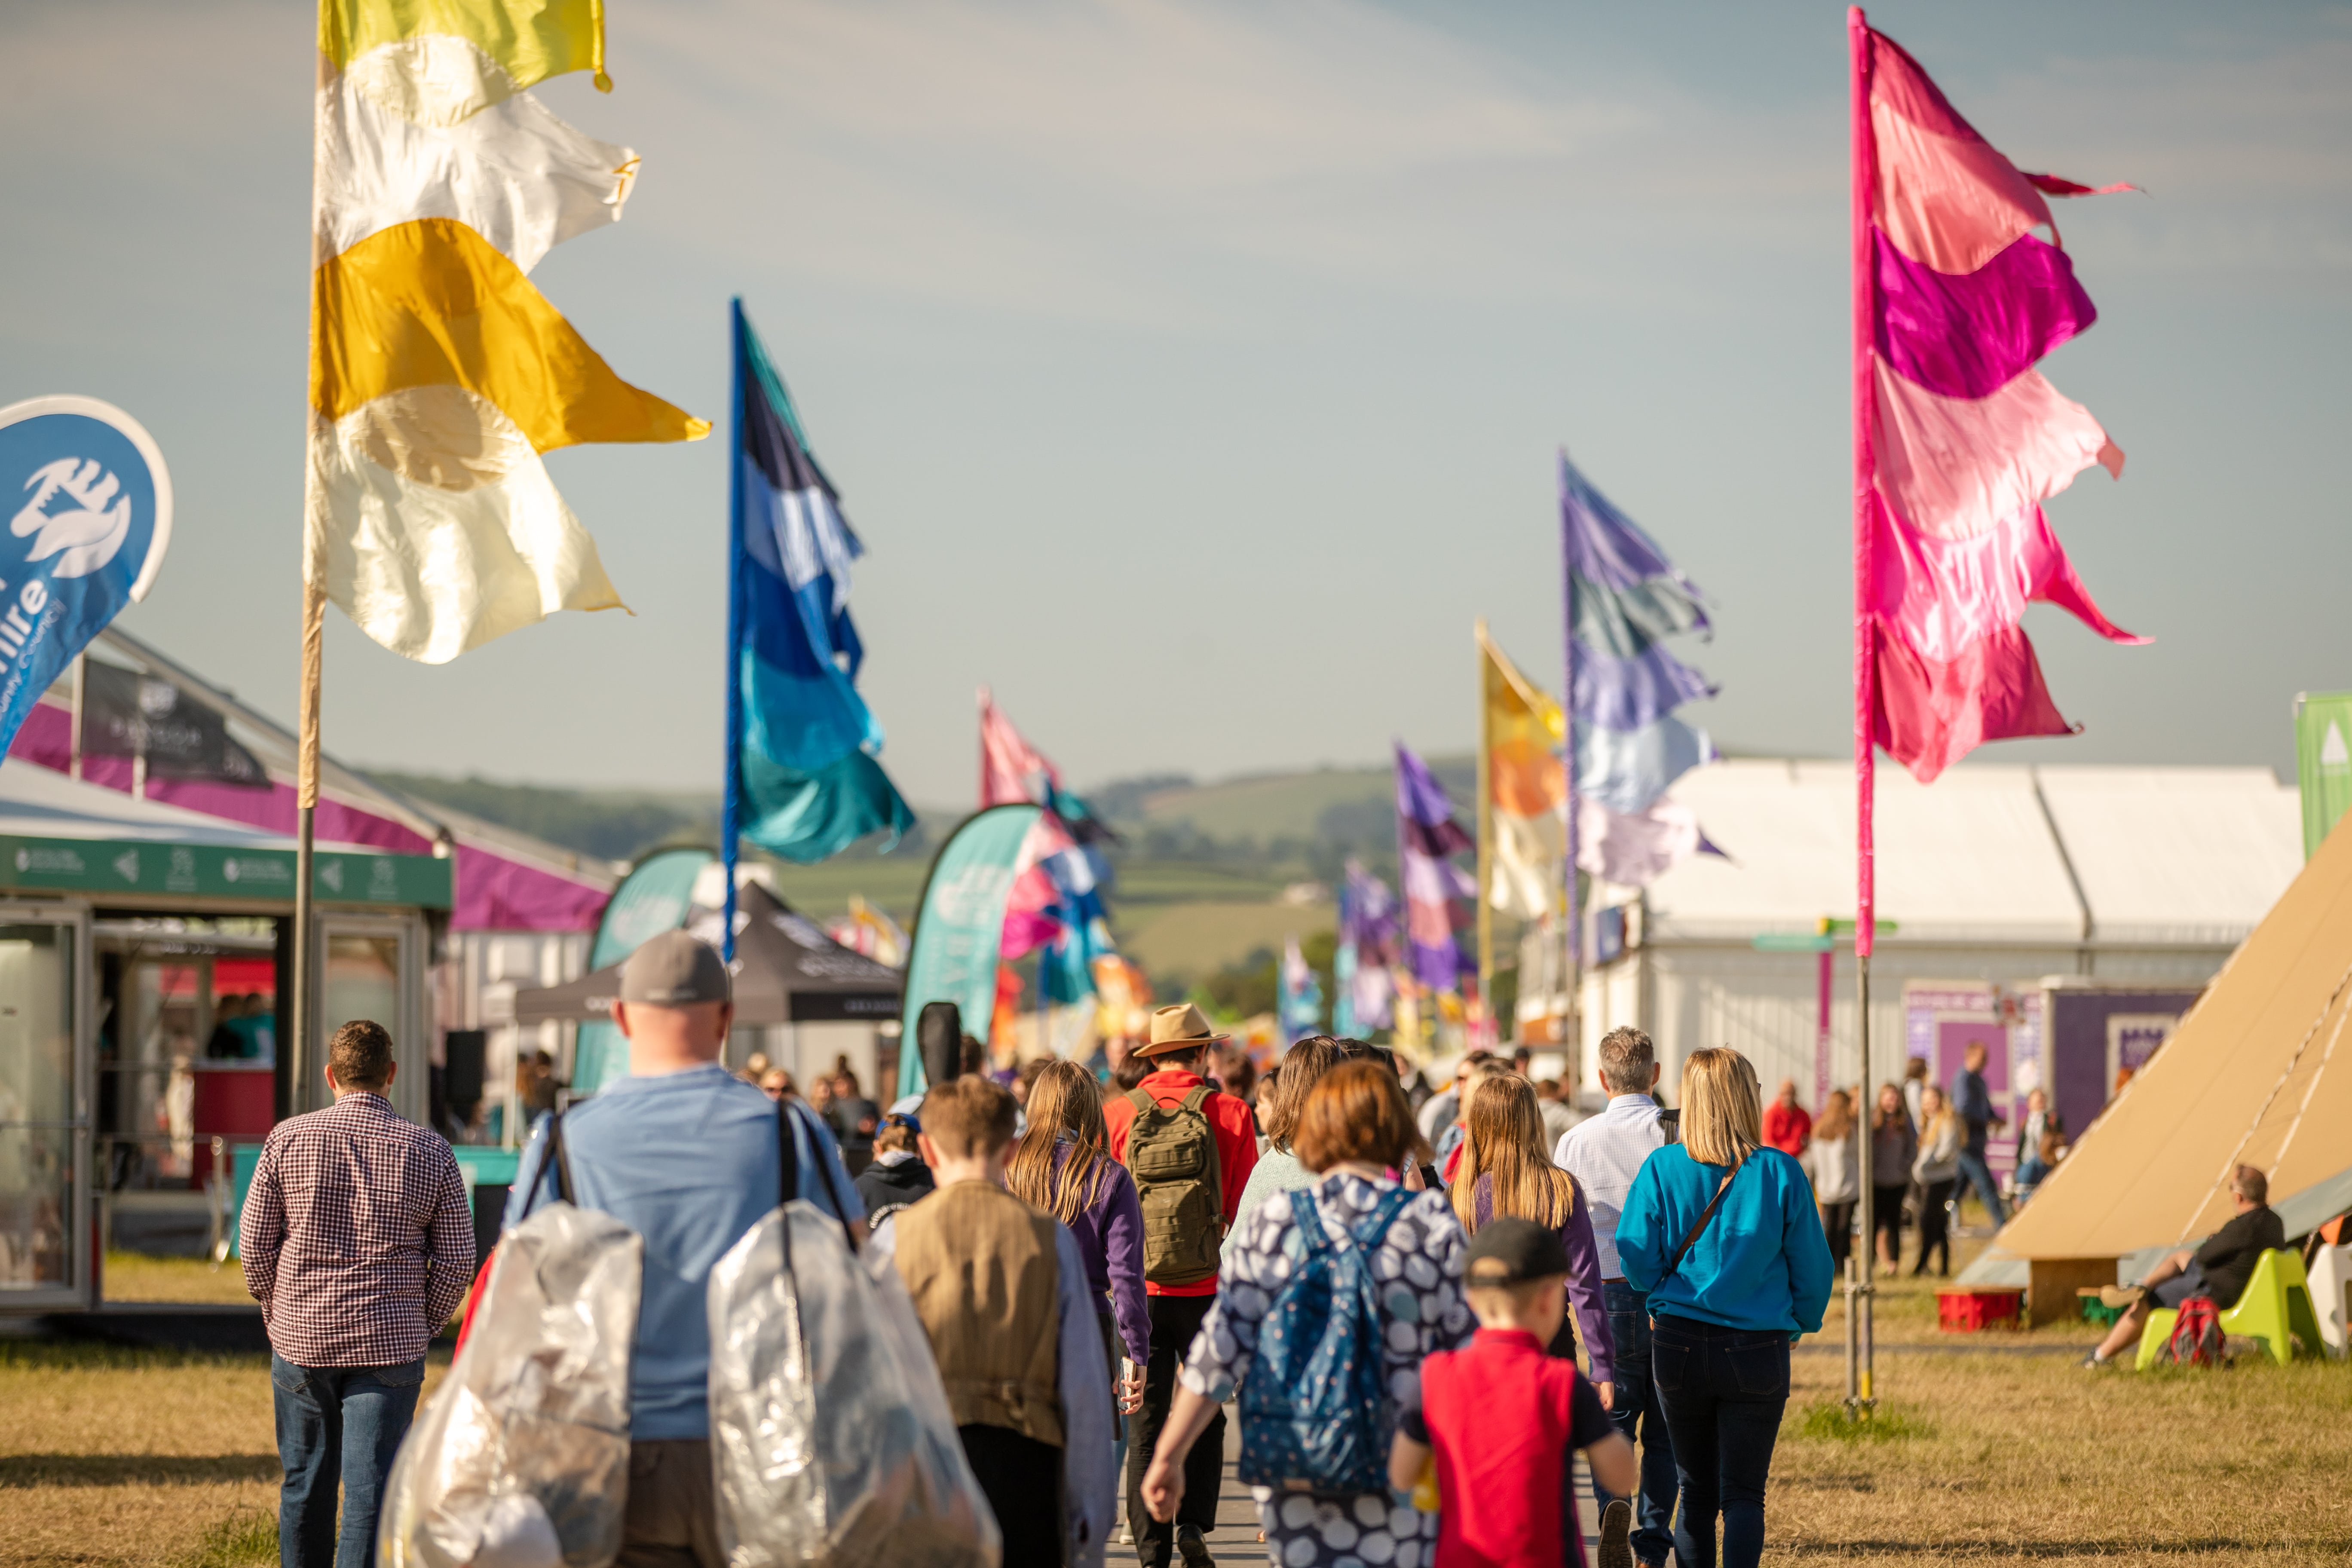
pixel 1142 1101
pixel 1309 1221
pixel 789 1178
pixel 1705 1215
pixel 553 1158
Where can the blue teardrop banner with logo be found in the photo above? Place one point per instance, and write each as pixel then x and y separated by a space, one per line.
pixel 88 504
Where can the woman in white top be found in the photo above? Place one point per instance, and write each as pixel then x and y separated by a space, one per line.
pixel 1938 1171
pixel 1834 1161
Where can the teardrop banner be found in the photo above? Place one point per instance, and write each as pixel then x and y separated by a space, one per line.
pixel 960 925
pixel 90 515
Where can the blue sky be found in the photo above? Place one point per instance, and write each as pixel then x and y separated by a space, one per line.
pixel 1192 371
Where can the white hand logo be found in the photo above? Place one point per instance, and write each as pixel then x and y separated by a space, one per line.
pixel 84 539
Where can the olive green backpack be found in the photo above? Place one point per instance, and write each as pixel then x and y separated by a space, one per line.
pixel 1172 1152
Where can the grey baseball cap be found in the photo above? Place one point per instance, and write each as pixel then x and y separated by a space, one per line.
pixel 674 969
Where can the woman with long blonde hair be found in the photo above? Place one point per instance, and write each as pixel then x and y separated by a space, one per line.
pixel 1504 1172
pixel 1942 1136
pixel 1063 1165
pixel 1720 1230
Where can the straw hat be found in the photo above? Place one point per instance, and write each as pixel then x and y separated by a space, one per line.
pixel 1178 1027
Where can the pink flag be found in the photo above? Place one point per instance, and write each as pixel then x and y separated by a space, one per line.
pixel 1963 439
pixel 1012 771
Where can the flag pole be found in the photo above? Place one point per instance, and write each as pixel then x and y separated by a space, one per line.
pixel 731 823
pixel 1574 919
pixel 1861 1395
pixel 1485 834
pixel 302 1062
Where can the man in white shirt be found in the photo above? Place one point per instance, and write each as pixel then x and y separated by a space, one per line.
pixel 1604 1153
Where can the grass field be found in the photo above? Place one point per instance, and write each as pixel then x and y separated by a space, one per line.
pixel 1982 1449
pixel 135 1277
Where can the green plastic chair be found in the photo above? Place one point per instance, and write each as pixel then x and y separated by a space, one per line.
pixel 2276 1310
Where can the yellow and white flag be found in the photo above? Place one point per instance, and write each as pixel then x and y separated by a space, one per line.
pixel 1527 793
pixel 439 373
pixel 1527 730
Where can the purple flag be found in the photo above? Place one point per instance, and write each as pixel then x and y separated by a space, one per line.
pixel 1426 834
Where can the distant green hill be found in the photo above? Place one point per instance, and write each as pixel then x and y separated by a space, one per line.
pixel 1199 872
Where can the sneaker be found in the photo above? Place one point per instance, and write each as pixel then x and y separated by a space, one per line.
pixel 1191 1548
pixel 2118 1295
pixel 1616 1534
pixel 2093 1362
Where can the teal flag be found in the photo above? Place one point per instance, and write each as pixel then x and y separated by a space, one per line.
pixel 960 927
pixel 651 899
pixel 2322 761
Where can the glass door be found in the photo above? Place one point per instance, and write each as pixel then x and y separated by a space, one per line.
pixel 44 1107
pixel 372 967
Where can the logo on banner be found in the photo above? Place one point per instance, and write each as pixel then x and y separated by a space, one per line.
pixel 88 504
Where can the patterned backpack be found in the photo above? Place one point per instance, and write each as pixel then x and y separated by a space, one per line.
pixel 1314 1403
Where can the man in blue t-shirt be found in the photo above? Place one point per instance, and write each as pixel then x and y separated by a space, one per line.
pixel 687 1155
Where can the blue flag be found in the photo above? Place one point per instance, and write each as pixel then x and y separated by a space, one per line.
pixel 803 782
pixel 88 510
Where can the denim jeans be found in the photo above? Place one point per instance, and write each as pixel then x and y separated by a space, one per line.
pixel 1636 1414
pixel 1723 1389
pixel 337 1423
pixel 1979 1175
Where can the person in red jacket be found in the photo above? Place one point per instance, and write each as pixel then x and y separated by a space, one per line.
pixel 1787 1126
pixel 1179 1038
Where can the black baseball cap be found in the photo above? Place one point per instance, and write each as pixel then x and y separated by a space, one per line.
pixel 1525 1250
pixel 674 969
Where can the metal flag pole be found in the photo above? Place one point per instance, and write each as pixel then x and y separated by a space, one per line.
pixel 731 816
pixel 1572 1026
pixel 1485 833
pixel 1860 1394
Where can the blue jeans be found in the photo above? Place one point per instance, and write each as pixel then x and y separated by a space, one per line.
pixel 337 1423
pixel 1978 1174
pixel 1723 1389
pixel 1636 1414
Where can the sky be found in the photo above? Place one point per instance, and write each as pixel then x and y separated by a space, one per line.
pixel 1193 370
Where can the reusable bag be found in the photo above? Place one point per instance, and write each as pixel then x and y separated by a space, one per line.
pixel 830 1433
pixel 522 1457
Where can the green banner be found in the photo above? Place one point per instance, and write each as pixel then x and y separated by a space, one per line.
pixel 960 928
pixel 129 866
pixel 2323 761
pixel 651 899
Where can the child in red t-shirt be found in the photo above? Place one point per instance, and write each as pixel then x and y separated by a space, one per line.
pixel 1502 1420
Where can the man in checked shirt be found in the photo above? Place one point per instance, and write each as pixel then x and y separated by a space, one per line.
pixel 358 1242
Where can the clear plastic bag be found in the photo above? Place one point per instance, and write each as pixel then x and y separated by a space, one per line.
pixel 829 1428
pixel 521 1459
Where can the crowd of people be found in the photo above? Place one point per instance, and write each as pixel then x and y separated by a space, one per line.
pixel 1415 1317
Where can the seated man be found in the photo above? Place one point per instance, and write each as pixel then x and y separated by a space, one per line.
pixel 2217 1269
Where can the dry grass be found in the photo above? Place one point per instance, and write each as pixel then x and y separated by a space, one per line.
pixel 135 1277
pixel 2030 1457
pixel 111 1456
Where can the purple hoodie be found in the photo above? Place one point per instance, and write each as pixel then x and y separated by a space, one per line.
pixel 1583 1277
pixel 1111 1236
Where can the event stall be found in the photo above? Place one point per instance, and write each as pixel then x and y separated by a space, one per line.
pixel 144 993
pixel 140 725
pixel 812 1000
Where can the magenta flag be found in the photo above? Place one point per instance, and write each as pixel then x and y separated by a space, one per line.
pixel 1959 438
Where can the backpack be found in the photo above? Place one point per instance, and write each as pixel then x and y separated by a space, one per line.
pixel 2197 1339
pixel 832 1445
pixel 1315 1404
pixel 522 1452
pixel 1172 1152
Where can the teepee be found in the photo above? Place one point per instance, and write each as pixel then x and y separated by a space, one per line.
pixel 2258 1073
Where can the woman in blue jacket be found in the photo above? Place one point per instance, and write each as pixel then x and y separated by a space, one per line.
pixel 1721 1232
